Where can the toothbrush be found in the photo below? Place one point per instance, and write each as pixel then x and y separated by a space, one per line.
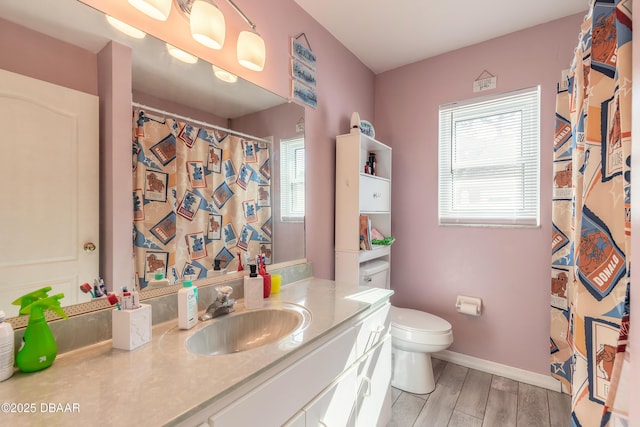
pixel 113 299
pixel 86 288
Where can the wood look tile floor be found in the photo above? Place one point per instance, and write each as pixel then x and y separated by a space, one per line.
pixel 465 397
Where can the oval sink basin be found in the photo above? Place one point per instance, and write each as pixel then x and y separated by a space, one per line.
pixel 241 331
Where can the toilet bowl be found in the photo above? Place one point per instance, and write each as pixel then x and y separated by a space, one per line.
pixel 414 336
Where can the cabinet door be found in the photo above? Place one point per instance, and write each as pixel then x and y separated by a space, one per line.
pixel 335 406
pixel 375 194
pixel 277 399
pixel 374 390
pixel 373 329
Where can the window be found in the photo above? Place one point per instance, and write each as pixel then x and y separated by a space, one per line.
pixel 488 160
pixel 292 179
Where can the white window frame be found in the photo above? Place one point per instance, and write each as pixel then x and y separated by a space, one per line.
pixel 292 167
pixel 472 180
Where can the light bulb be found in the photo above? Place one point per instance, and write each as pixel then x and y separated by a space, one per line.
pixel 224 75
pixel 125 28
pixel 156 9
pixel 251 50
pixel 181 55
pixel 207 24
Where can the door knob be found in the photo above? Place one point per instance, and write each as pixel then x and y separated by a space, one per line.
pixel 89 247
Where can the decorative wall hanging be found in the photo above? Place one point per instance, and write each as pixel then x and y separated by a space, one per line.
pixel 485 81
pixel 303 72
pixel 200 193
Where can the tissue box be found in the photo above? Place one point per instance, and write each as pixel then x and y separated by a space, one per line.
pixel 131 328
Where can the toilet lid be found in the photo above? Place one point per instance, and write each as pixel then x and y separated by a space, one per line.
pixel 418 321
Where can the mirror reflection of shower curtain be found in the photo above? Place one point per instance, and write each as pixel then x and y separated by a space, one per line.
pixel 590 278
pixel 199 194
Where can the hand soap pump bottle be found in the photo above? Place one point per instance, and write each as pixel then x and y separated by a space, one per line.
pixel 187 305
pixel 158 281
pixel 253 289
pixel 6 348
pixel 39 348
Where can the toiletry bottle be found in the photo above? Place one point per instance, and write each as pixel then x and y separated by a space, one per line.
pixel 6 348
pixel 39 348
pixel 158 281
pixel 266 277
pixel 187 305
pixel 217 270
pixel 253 289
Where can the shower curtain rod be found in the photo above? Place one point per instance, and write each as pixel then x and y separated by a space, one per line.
pixel 197 122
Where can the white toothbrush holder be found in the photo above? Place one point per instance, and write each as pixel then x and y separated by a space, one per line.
pixel 131 328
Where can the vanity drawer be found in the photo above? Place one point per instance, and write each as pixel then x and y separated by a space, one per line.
pixel 375 194
pixel 373 329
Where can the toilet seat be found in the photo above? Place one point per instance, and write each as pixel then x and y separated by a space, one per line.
pixel 419 327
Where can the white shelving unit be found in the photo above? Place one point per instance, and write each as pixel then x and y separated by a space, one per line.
pixel 359 193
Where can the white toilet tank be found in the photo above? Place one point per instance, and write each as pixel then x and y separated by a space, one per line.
pixel 375 274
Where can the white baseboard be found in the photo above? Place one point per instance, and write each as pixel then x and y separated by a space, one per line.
pixel 517 374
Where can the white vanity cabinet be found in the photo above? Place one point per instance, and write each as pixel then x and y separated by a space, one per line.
pixel 360 193
pixel 343 381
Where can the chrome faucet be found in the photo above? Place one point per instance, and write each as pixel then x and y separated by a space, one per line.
pixel 222 305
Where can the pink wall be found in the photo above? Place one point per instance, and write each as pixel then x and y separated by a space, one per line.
pixel 508 268
pixel 35 55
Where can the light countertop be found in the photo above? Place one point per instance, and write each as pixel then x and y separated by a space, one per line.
pixel 161 383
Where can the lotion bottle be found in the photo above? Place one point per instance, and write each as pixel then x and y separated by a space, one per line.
pixel 253 289
pixel 187 305
pixel 6 348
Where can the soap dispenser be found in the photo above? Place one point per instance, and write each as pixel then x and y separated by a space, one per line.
pixel 253 289
pixel 158 281
pixel 187 305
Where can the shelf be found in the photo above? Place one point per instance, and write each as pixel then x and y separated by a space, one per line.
pixel 377 252
pixel 366 175
pixel 359 193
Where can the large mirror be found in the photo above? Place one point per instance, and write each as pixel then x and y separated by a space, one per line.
pixel 190 91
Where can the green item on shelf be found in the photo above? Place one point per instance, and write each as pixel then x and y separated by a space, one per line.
pixel 39 348
pixel 386 241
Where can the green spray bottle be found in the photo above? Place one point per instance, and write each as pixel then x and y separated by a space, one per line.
pixel 39 348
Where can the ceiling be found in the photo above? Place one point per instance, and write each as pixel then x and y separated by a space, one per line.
pixel 388 34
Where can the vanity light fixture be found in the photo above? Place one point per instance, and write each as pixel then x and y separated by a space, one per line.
pixel 181 55
pixel 125 28
pixel 224 75
pixel 156 9
pixel 208 27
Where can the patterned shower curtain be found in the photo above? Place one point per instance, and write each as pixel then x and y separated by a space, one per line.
pixel 590 279
pixel 199 195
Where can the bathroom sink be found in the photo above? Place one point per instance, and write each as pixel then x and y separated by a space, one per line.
pixel 246 330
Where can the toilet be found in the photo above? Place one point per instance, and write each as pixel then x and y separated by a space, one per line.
pixel 414 336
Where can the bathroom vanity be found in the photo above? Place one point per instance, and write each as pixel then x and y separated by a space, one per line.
pixel 336 371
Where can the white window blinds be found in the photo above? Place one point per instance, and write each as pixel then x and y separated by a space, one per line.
pixel 292 179
pixel 488 160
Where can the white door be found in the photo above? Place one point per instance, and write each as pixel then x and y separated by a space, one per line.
pixel 48 189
